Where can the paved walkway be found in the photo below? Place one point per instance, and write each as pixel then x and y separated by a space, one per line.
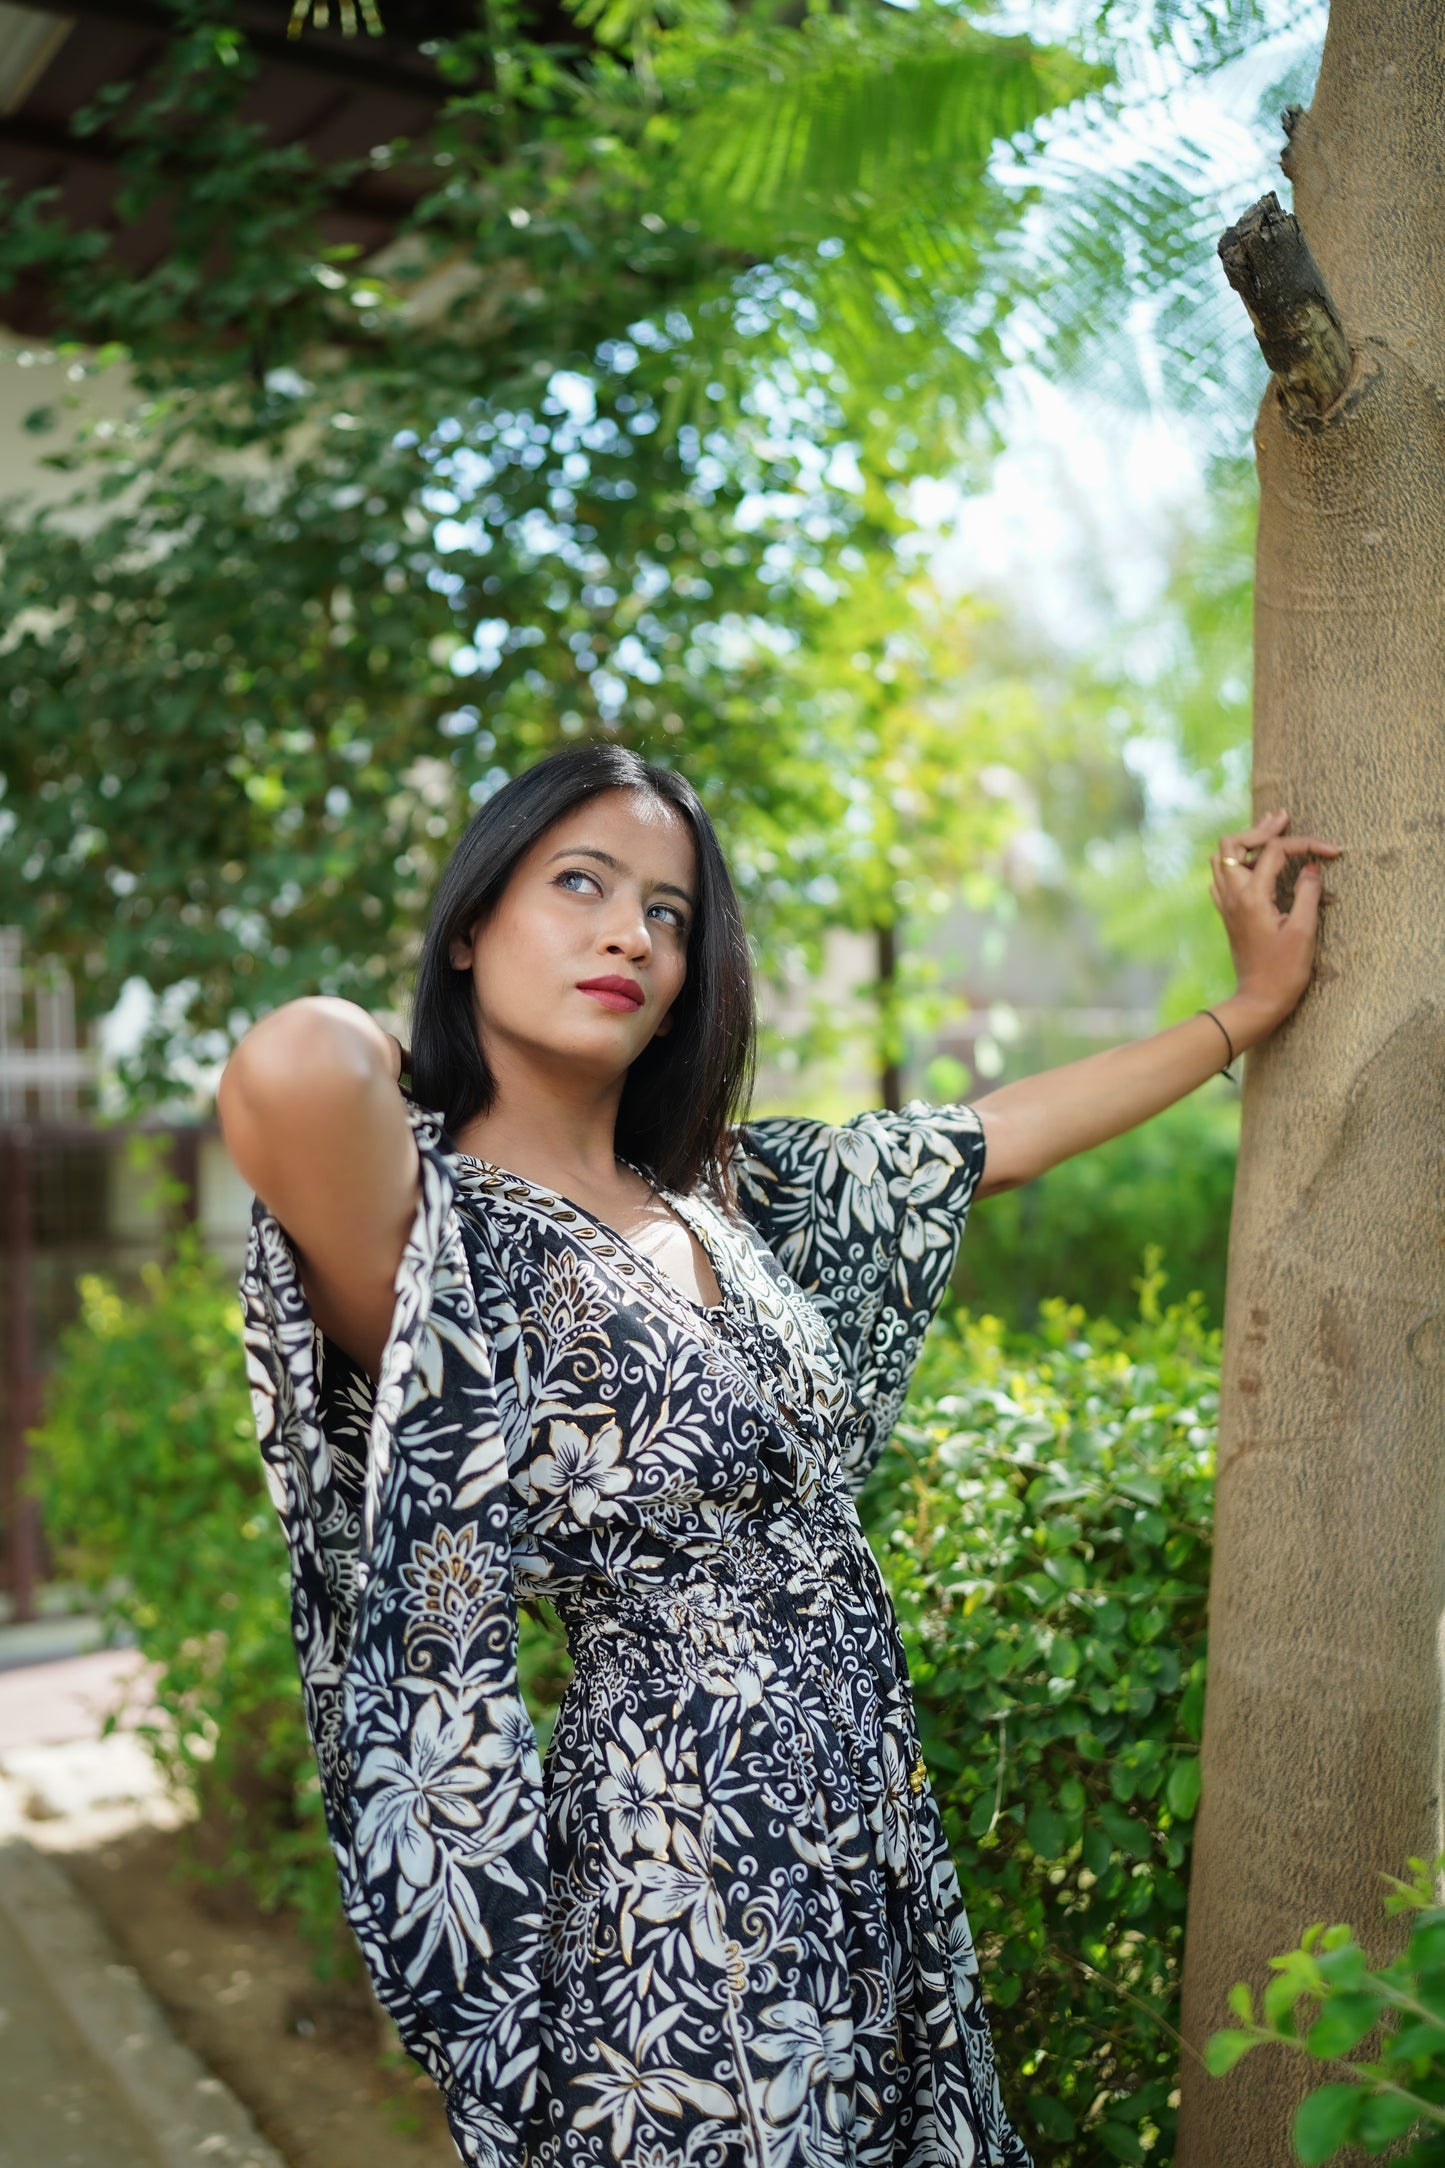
pixel 57 2109
pixel 91 2075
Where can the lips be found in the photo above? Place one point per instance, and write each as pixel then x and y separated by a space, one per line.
pixel 622 995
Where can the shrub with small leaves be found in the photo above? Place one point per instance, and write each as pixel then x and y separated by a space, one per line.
pixel 153 1499
pixel 1326 2001
pixel 1043 1518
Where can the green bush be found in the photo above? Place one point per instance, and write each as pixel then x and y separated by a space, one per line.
pixel 1325 2000
pixel 152 1496
pixel 1082 1229
pixel 1043 1520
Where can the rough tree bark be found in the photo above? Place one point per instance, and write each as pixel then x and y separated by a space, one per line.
pixel 1323 1731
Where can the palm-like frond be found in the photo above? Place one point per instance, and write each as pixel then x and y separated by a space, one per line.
pixel 859 122
pixel 1113 268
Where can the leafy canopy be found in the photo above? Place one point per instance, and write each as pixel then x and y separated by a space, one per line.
pixel 576 454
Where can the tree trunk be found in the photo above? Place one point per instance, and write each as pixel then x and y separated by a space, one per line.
pixel 890 1069
pixel 1323 1729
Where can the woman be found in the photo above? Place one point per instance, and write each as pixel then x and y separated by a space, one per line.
pixel 637 1359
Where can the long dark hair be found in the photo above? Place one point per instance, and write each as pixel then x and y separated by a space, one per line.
pixel 686 1089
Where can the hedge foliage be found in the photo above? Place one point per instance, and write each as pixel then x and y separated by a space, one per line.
pixel 153 1500
pixel 1043 1519
pixel 1089 1222
pixel 1043 1522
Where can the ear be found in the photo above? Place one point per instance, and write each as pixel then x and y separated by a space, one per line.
pixel 459 955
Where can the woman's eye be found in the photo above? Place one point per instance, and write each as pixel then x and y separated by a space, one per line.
pixel 575 873
pixel 671 912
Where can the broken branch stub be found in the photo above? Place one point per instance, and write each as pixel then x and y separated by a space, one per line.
pixel 1267 261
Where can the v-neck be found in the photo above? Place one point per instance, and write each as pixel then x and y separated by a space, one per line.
pixel 676 1205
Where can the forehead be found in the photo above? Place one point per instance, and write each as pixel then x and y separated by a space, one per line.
pixel 644 834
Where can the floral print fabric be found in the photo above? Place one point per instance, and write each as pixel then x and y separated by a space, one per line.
pixel 721 1927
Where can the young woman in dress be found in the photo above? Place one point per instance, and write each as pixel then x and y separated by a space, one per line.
pixel 562 1322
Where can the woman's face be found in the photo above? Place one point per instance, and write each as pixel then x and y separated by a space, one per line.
pixel 586 951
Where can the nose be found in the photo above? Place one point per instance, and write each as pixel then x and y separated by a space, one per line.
pixel 628 932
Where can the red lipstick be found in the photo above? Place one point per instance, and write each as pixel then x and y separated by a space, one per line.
pixel 614 993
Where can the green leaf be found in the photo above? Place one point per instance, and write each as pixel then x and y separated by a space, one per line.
pixel 1191 1707
pixel 1427 1944
pixel 1097 1852
pixel 827 123
pixel 1046 1832
pixel 1224 2050
pixel 1052 2117
pixel 1342 1962
pixel 1124 2144
pixel 981 1815
pixel 1343 2024
pixel 1182 1790
pixel 1326 2120
pixel 1125 1832
pixel 1385 2117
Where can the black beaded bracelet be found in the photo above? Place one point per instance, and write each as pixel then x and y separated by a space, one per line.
pixel 1227 1069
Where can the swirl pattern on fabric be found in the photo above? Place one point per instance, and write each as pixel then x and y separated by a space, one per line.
pixel 721 1927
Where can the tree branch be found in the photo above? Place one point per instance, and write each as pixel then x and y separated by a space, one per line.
pixel 1267 261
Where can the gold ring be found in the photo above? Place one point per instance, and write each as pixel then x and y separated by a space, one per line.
pixel 1231 861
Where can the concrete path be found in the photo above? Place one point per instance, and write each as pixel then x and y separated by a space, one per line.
pixel 55 2107
pixel 91 2075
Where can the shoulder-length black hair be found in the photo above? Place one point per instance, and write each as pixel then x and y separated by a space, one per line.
pixel 685 1089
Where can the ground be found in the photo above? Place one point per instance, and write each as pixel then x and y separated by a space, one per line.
pixel 309 2058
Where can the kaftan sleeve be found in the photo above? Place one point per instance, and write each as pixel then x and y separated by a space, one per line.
pixel 866 1218
pixel 396 1511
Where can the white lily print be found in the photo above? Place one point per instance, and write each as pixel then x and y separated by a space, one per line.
pixel 630 1793
pixel 891 1817
pixel 627 2092
pixel 814 2055
pixel 411 1793
pixel 580 1471
pixel 684 1885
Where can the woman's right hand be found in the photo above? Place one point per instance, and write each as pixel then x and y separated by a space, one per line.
pixel 1273 950
pixel 312 1117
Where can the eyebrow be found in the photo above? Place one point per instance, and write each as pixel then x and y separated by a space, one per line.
pixel 615 865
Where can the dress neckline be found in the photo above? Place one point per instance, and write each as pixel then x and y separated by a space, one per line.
pixel 676 1205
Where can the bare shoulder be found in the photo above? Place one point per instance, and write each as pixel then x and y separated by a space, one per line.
pixel 312 1117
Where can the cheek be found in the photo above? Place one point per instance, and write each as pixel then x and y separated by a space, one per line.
pixel 676 977
pixel 522 956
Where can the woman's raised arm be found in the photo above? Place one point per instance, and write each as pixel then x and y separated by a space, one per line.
pixel 1031 1125
pixel 312 1117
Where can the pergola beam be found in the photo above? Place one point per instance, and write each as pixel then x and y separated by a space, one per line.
pixel 394 70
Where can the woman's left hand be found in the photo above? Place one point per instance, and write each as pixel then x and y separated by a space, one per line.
pixel 1273 950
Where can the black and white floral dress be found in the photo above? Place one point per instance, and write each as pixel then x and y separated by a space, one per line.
pixel 720 1927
